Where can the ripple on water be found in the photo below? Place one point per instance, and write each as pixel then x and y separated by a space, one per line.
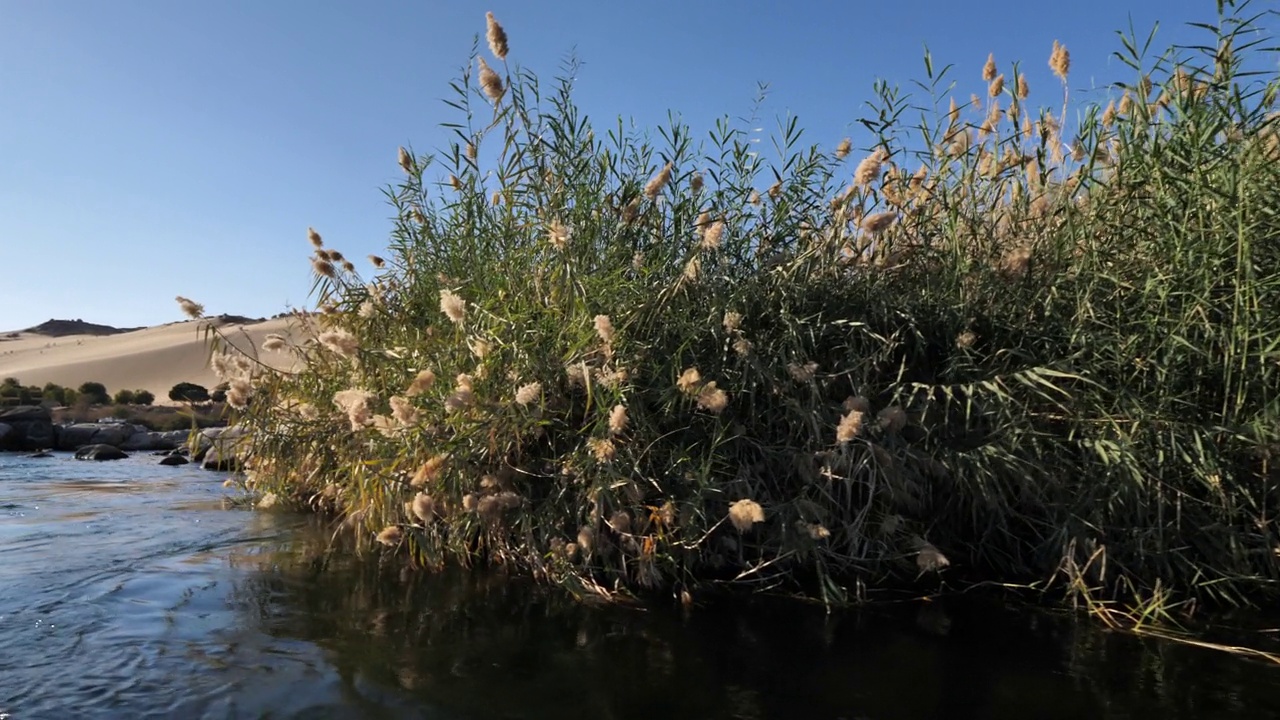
pixel 150 600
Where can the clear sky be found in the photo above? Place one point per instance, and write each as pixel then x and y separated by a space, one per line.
pixel 150 148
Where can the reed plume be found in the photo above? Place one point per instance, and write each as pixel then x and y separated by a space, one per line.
pixel 490 83
pixel 496 36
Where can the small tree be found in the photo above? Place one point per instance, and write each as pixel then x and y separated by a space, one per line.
pixel 56 393
pixel 95 392
pixel 124 397
pixel 189 393
pixel 143 397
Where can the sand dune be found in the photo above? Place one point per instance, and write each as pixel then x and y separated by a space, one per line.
pixel 153 359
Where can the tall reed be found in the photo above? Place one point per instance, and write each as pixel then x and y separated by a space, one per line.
pixel 1032 344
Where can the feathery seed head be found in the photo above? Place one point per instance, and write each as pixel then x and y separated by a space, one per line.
pixel 1017 262
pixel 618 419
pixel 1060 61
pixel 558 234
pixel 745 513
pixel 966 340
pixel 868 171
pixel 341 342
pixel 879 222
pixel 692 269
pixel 586 538
pixel 323 267
pixel 273 343
pixel 491 83
pixel 424 507
pixel 429 471
pixel 314 237
pixel 190 308
pixel 844 148
pixel 480 347
pixel 689 381
pixel 654 187
pixel 406 162
pixel 802 373
pixel 453 306
pixel 732 321
pixel 712 399
pixel 528 394
pixel 460 399
pixel 892 418
pixel 997 86
pixel 712 235
pixel 390 536
pixel 857 402
pixel 358 404
pixel 929 558
pixel 403 411
pixel 238 392
pixel 377 261
pixel 496 36
pixel 695 183
pixel 604 328
pixel 849 427
pixel 421 383
pixel 603 449
pixel 989 69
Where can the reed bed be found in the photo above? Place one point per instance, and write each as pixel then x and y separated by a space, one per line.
pixel 1013 341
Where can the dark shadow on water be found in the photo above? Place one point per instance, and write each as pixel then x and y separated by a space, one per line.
pixel 478 645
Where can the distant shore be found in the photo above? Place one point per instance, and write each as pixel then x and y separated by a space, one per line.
pixel 153 359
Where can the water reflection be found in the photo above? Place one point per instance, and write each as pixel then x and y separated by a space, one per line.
pixel 481 645
pixel 130 590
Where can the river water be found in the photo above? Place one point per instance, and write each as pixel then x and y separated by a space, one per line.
pixel 131 590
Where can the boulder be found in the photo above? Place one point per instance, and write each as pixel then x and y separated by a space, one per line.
pixel 225 450
pixel 203 440
pixel 116 434
pixel 173 460
pixel 70 437
pixel 100 452
pixel 30 428
pixel 148 440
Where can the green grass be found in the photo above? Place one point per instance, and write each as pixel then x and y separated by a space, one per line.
pixel 1066 349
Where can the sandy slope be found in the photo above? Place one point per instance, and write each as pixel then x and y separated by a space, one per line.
pixel 152 359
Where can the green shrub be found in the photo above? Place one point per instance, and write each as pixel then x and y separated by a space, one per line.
pixel 143 397
pixel 189 393
pixel 55 392
pixel 94 393
pixel 124 397
pixel 666 364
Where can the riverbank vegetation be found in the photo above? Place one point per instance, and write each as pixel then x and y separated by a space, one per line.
pixel 1013 338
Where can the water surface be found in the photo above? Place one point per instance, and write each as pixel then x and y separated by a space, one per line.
pixel 128 589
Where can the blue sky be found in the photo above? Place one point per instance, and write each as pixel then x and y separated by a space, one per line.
pixel 150 148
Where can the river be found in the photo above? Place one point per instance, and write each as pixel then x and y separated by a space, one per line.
pixel 131 590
